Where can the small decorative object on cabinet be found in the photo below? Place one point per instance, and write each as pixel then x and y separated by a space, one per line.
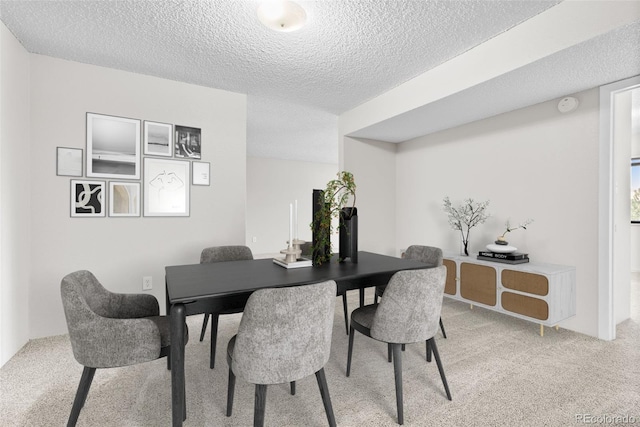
pixel 541 293
pixel 465 217
pixel 502 240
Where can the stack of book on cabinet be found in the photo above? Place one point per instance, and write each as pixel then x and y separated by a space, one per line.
pixel 510 258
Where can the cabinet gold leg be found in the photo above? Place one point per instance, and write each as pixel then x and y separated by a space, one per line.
pixel 557 327
pixel 541 330
pixel 470 306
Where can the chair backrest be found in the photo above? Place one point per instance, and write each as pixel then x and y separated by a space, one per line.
pixel 306 249
pixel 427 254
pixel 285 333
pixel 225 253
pixel 410 309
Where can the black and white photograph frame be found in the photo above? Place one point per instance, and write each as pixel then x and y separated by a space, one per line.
pixel 158 139
pixel 124 199
pixel 200 173
pixel 113 147
pixel 188 143
pixel 166 187
pixel 88 198
pixel 68 161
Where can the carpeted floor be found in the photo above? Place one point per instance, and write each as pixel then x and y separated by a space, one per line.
pixel 500 371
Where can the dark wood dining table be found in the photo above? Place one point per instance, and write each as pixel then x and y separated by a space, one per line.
pixel 199 288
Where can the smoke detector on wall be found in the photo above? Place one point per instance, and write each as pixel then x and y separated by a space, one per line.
pixel 568 104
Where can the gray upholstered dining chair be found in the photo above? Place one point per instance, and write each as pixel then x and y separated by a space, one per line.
pixel 307 253
pixel 109 330
pixel 233 304
pixel 429 255
pixel 408 313
pixel 284 336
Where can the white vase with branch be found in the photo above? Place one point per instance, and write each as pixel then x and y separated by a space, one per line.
pixel 466 216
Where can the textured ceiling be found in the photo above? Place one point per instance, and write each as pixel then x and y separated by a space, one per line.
pixel 297 83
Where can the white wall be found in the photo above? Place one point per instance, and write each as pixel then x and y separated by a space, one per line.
pixel 271 185
pixel 621 206
pixel 635 152
pixel 530 163
pixel 120 251
pixel 373 166
pixel 15 178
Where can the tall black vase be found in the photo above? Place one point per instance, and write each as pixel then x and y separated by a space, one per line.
pixel 348 234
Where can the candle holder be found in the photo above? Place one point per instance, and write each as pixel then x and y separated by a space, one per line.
pixel 291 253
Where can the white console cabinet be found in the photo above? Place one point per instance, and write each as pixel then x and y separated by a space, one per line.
pixel 541 293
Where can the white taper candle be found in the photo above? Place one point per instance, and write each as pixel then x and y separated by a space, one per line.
pixel 290 225
pixel 295 219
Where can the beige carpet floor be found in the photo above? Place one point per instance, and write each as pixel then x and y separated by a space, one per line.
pixel 500 371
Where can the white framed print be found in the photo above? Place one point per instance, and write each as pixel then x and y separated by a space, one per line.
pixel 113 147
pixel 68 161
pixel 87 198
pixel 158 139
pixel 200 173
pixel 166 187
pixel 124 198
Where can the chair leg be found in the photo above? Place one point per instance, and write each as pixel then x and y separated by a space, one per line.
pixel 81 395
pixel 326 399
pixel 292 384
pixel 350 350
pixel 397 370
pixel 444 334
pixel 346 312
pixel 260 404
pixel 428 352
pixel 230 391
pixel 389 353
pixel 214 339
pixel 440 368
pixel 204 326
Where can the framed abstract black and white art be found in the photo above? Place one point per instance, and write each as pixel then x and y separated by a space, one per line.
pixel 166 187
pixel 87 198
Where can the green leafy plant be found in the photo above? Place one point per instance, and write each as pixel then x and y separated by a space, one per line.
pixel 465 217
pixel 335 196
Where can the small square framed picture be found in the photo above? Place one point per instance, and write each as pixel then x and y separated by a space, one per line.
pixel 158 139
pixel 87 198
pixel 68 161
pixel 124 198
pixel 200 173
pixel 188 144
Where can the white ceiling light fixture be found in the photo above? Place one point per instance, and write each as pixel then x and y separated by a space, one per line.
pixel 282 15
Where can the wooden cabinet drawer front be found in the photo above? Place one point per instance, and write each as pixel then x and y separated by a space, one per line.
pixel 450 284
pixel 527 306
pixel 525 282
pixel 478 283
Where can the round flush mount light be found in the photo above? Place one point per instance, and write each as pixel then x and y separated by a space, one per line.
pixel 282 15
pixel 567 104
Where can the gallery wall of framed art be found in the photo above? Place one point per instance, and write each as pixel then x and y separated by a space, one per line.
pixel 114 150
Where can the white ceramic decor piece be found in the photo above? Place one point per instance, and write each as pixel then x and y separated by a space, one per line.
pixel 501 249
